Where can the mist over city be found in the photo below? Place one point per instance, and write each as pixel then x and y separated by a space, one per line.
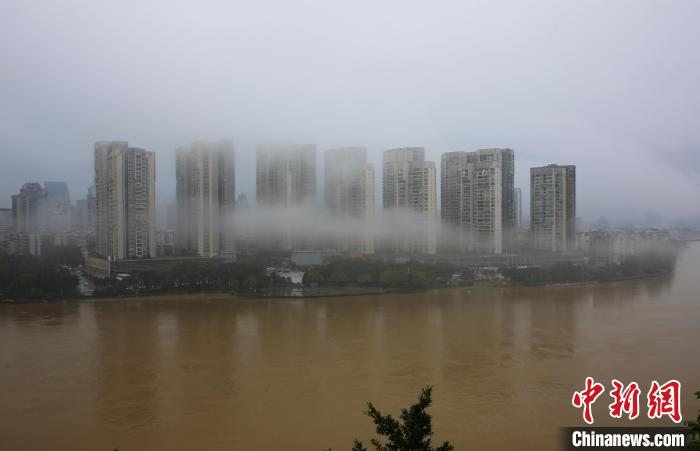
pixel 322 225
pixel 558 84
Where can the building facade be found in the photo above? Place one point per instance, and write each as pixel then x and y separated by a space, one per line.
pixel 286 178
pixel 349 193
pixel 478 198
pixel 57 192
pixel 124 201
pixel 26 208
pixel 285 174
pixel 397 164
pixel 7 221
pixel 553 207
pixel 206 193
pixel 7 225
pixel 84 212
pixel 57 214
pixel 518 203
pixel 409 183
pixel 91 208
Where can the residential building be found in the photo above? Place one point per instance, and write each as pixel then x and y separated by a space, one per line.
pixel 478 198
pixel 92 207
pixel 26 208
pixel 80 215
pixel 7 221
pixel 615 246
pixel 553 207
pixel 57 192
pixel 125 204
pixel 286 178
pixel 84 212
pixel 55 217
pixel 409 184
pixel 285 174
pixel 518 203
pixel 205 174
pixel 7 224
pixel 397 164
pixel 349 193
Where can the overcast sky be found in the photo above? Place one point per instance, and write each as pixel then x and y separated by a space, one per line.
pixel 611 86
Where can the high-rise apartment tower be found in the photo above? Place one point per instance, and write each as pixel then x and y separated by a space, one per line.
pixel 410 183
pixel 478 198
pixel 349 193
pixel 553 207
pixel 125 201
pixel 206 194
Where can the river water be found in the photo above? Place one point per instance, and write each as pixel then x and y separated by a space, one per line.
pixel 212 372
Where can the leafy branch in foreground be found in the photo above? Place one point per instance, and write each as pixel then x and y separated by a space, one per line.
pixel 412 433
pixel 693 433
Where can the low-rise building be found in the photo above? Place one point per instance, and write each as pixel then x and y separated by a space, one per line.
pixel 106 267
pixel 614 246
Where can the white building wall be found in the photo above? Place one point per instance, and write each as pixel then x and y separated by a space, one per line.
pixel 124 201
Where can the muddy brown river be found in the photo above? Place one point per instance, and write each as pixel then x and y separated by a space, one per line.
pixel 213 372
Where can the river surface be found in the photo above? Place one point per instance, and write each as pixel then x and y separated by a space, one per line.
pixel 212 372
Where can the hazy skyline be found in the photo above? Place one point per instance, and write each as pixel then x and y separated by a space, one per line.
pixel 611 87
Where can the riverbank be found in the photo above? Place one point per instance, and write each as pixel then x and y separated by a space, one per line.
pixel 597 282
pixel 326 292
pixel 299 292
pixel 279 293
pixel 213 296
pixel 319 292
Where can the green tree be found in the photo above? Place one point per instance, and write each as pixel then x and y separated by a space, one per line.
pixel 418 280
pixel 28 277
pixel 693 433
pixel 365 279
pixel 390 278
pixel 412 432
pixel 70 255
pixel 339 278
pixel 311 278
